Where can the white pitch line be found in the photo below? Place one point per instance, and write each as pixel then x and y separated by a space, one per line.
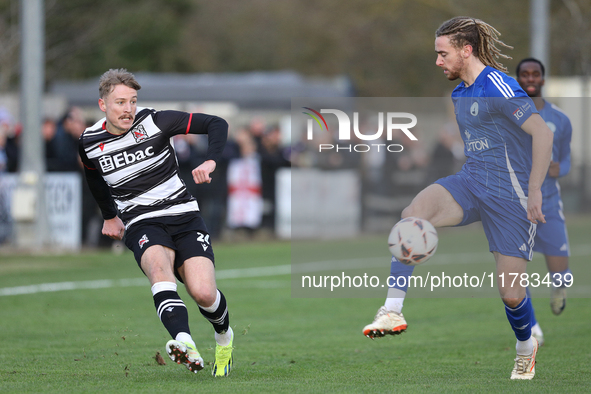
pixel 257 272
pixel 254 272
pixel 60 286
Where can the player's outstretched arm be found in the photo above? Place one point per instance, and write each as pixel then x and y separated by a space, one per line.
pixel 114 228
pixel 542 139
pixel 202 173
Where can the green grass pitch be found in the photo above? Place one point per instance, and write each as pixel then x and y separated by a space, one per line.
pixel 106 339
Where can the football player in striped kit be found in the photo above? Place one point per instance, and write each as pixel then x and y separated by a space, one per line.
pixel 551 237
pixel 508 147
pixel 132 171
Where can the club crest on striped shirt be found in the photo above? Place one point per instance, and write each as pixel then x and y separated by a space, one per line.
pixel 139 133
pixel 143 240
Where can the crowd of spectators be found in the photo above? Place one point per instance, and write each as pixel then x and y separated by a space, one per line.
pixel 239 201
pixel 443 156
pixel 241 198
pixel 389 178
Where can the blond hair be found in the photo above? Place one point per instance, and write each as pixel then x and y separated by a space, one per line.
pixel 483 38
pixel 114 77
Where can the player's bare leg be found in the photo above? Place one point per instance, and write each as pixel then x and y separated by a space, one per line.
pixel 198 273
pixel 557 265
pixel 435 204
pixel 512 292
pixel 157 264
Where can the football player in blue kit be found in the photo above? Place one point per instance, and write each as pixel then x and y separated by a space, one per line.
pixel 507 146
pixel 551 237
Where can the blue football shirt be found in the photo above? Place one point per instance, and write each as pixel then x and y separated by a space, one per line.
pixel 560 125
pixel 498 152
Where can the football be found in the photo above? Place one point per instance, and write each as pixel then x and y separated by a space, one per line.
pixel 413 241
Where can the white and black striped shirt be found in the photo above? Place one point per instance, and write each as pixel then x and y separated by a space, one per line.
pixel 138 170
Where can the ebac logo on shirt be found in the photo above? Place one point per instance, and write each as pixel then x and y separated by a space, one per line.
pixel 139 133
pixel 109 163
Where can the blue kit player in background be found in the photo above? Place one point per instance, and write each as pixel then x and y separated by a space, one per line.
pixel 551 237
pixel 508 147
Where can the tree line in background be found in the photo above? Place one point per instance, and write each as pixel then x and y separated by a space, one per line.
pixel 386 47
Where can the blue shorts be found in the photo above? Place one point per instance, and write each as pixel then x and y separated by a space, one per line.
pixel 552 237
pixel 505 222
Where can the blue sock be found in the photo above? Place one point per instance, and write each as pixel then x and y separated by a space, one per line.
pixel 520 319
pixel 559 280
pixel 399 274
pixel 534 321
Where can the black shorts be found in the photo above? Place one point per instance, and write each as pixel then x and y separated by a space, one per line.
pixel 187 235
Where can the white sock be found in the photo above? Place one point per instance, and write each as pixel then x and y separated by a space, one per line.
pixel 185 337
pixel 215 305
pixel 395 300
pixel 524 348
pixel 224 338
pixel 163 286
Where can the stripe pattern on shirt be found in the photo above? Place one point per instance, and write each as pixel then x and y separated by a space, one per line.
pixel 503 86
pixel 140 168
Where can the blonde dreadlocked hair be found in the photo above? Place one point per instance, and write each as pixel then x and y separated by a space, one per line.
pixel 481 36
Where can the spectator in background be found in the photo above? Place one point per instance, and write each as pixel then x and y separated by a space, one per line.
pixel 12 135
pixel 191 149
pixel 407 169
pixel 185 150
pixel 301 154
pixel 414 155
pixel 447 156
pixel 215 194
pixel 245 201
pixel 5 221
pixel 69 130
pixel 5 126
pixel 65 147
pixel 273 157
pixel 257 129
pixel 52 151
